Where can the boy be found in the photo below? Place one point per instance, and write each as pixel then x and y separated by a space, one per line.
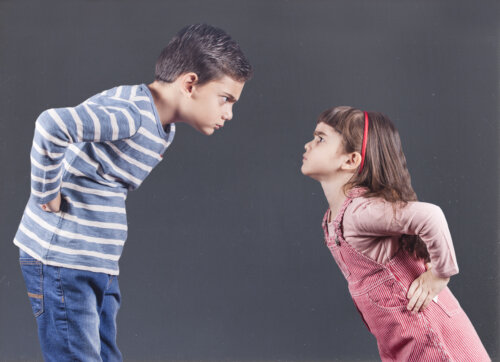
pixel 83 162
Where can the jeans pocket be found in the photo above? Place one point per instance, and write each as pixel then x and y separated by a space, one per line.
pixel 33 277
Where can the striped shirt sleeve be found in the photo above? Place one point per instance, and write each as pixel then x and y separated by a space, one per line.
pixel 100 118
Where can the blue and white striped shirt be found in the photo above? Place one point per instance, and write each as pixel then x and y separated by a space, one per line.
pixel 93 153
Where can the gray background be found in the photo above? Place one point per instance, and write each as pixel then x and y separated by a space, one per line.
pixel 225 259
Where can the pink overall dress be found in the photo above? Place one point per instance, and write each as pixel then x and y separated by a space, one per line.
pixel 442 332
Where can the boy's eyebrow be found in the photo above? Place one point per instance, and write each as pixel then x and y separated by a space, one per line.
pixel 230 97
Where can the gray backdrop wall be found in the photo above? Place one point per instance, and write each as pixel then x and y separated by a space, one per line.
pixel 225 258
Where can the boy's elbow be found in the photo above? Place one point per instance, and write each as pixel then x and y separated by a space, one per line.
pixel 50 124
pixel 44 120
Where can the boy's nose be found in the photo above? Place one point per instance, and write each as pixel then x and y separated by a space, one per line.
pixel 227 115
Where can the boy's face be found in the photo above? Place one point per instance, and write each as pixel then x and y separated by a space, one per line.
pixel 210 105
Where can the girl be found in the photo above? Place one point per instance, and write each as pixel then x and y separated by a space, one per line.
pixel 396 253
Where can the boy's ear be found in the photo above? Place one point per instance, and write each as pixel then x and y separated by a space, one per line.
pixel 352 161
pixel 188 82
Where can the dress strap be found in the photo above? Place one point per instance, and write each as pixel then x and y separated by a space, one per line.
pixel 337 222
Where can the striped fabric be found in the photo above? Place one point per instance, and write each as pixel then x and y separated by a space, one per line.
pixel 442 332
pixel 94 154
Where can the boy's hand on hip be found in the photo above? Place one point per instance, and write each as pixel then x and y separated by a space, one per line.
pixel 424 289
pixel 53 205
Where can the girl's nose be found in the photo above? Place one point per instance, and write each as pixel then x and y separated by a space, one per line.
pixel 306 146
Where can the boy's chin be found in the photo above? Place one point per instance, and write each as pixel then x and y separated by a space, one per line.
pixel 207 131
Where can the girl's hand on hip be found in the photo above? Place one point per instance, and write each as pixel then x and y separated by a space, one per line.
pixel 424 289
pixel 53 205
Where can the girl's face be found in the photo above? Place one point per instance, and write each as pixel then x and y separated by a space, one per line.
pixel 324 155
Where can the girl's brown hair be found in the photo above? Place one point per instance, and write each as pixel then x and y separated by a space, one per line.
pixel 384 172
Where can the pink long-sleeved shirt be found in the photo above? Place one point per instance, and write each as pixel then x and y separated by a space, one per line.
pixel 371 227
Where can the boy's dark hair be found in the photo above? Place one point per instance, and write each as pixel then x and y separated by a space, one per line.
pixel 205 50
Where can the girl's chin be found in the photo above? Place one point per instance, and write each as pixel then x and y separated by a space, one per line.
pixel 305 171
pixel 310 174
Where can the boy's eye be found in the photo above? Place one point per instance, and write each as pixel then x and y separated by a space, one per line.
pixel 320 139
pixel 225 99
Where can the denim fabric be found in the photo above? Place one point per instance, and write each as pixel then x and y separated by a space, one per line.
pixel 75 311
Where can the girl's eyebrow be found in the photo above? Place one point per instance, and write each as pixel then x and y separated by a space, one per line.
pixel 319 133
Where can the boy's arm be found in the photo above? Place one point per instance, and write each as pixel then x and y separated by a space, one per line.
pixel 53 205
pixel 96 120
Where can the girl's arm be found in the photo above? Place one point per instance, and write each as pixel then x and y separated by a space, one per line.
pixel 377 217
pixel 424 289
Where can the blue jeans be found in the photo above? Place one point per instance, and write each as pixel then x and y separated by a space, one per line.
pixel 75 311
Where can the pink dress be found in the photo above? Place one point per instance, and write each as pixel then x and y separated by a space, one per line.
pixel 442 332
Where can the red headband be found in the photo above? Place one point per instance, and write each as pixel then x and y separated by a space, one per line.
pixel 363 147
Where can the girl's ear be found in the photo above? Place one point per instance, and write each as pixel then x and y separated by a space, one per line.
pixel 352 161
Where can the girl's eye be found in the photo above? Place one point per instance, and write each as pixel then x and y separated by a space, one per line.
pixel 320 139
pixel 225 99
